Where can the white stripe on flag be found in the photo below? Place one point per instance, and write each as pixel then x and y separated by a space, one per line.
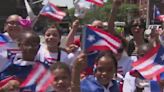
pixel 99 1
pixel 145 63
pixel 151 70
pixel 104 43
pixel 42 82
pixel 55 15
pixel 39 70
pixel 109 39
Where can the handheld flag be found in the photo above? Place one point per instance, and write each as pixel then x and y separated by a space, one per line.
pixel 29 10
pixel 157 15
pixel 97 39
pixel 152 64
pixel 97 2
pixel 51 11
pixel 80 9
pixel 156 12
pixel 38 80
pixel 91 56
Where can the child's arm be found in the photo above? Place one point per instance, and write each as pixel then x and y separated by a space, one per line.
pixel 79 65
pixel 71 34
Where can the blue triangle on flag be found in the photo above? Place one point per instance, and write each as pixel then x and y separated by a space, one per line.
pixel 159 59
pixel 91 38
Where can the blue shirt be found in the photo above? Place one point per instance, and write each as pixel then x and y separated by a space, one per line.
pixel 90 84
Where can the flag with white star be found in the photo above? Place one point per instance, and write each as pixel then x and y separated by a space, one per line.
pixel 97 39
pixel 151 65
pixel 51 11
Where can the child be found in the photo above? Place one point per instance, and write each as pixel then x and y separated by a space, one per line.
pixel 29 45
pixel 10 48
pixel 51 52
pixel 62 78
pixel 63 81
pixel 106 67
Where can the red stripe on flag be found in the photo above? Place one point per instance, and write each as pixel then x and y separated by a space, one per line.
pixel 142 60
pixel 30 76
pixel 97 2
pixel 108 34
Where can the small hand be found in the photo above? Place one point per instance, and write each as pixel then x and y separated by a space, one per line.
pixel 75 24
pixel 72 48
pixel 81 62
pixel 11 85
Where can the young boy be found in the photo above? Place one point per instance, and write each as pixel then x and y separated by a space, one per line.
pixel 29 43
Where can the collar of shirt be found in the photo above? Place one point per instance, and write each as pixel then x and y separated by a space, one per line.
pixel 23 62
pixel 110 84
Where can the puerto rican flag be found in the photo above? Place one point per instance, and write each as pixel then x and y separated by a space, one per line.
pixel 157 14
pixel 97 2
pixel 151 65
pixel 3 39
pixel 38 80
pixel 97 39
pixel 51 11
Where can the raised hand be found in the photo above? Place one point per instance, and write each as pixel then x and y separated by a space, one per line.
pixel 81 62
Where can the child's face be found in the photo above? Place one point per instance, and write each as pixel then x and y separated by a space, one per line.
pixel 62 80
pixel 12 26
pixel 29 49
pixel 52 37
pixel 105 70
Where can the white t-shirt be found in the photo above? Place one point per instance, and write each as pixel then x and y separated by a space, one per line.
pixel 131 82
pixel 49 58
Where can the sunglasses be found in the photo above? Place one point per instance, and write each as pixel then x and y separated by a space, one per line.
pixel 137 25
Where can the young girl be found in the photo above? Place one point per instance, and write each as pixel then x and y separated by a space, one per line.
pixel 51 52
pixel 101 81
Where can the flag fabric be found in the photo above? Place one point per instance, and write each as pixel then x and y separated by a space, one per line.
pixel 97 39
pixel 80 9
pixel 152 64
pixel 161 18
pixel 29 10
pixel 51 11
pixel 97 2
pixel 157 15
pixel 156 12
pixel 38 80
pixel 91 56
pixel 3 39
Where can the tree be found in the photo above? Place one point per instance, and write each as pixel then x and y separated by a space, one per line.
pixel 102 13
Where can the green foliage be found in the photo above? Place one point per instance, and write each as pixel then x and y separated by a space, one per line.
pixel 102 13
pixel 126 10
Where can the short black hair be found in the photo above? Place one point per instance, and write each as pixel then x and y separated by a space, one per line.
pixel 24 34
pixel 61 65
pixel 109 54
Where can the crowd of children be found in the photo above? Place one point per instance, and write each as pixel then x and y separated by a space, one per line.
pixel 112 72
